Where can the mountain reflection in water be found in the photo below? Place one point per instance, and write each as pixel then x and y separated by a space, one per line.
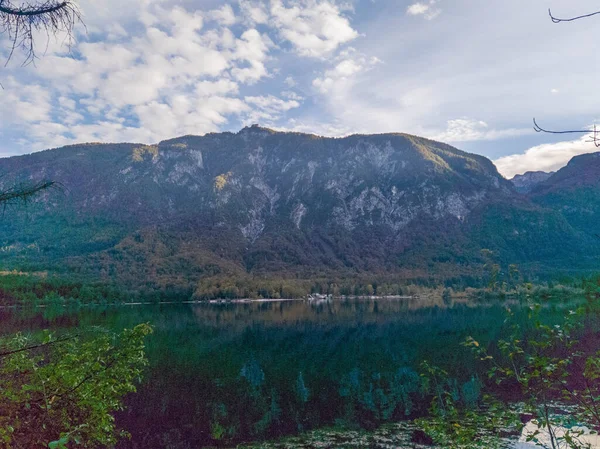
pixel 226 373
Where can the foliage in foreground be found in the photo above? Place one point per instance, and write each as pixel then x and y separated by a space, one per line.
pixel 463 419
pixel 554 375
pixel 59 391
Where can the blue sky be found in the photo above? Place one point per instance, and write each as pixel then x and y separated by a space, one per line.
pixel 471 73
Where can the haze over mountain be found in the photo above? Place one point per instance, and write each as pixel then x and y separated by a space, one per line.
pixel 266 203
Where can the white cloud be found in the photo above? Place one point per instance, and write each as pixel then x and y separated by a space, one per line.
pixel 319 128
pixel 417 9
pixel 254 12
pixel 108 56
pixel 348 64
pixel 290 81
pixel 291 95
pixel 185 115
pixel 224 15
pixel 172 76
pixel 133 86
pixel 427 9
pixel 219 87
pixel 152 69
pixel 21 105
pixel 271 103
pixel 253 49
pixel 268 108
pixel 183 23
pixel 546 157
pixel 468 130
pixel 193 67
pixel 315 28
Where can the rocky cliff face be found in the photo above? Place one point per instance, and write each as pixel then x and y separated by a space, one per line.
pixel 527 181
pixel 265 201
pixel 256 176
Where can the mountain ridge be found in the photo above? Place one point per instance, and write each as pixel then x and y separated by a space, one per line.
pixel 270 203
pixel 581 170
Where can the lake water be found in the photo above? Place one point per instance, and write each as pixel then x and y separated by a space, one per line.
pixel 221 374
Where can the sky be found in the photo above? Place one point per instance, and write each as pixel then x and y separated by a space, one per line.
pixel 471 73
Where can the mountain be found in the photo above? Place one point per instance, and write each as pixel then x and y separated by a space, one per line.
pixel 574 190
pixel 527 181
pixel 581 172
pixel 260 204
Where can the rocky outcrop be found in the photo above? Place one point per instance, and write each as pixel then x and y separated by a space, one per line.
pixel 527 181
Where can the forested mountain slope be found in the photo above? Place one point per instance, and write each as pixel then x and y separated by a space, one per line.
pixel 260 203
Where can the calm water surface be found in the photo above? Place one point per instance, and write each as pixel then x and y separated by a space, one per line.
pixel 221 374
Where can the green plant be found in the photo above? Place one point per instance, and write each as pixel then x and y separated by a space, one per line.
pixel 62 390
pixel 554 374
pixel 458 418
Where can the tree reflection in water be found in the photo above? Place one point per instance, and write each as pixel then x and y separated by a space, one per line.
pixel 227 373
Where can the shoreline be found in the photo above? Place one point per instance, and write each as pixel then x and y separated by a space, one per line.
pixel 219 301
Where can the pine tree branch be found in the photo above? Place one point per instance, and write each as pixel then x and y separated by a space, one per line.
pixel 22 22
pixel 31 10
pixel 23 193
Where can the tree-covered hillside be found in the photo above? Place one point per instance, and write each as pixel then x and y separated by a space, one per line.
pixel 195 212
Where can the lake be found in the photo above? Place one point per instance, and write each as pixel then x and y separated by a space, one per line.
pixel 223 374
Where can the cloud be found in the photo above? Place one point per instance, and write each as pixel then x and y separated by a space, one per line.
pixel 272 103
pixel 251 48
pixel 220 87
pixel 185 115
pixel 314 28
pixel 153 69
pixel 347 65
pixel 468 130
pixel 268 108
pixel 290 81
pixel 417 9
pixel 224 15
pixel 546 157
pixel 291 95
pixel 254 12
pixel 172 72
pixel 427 9
pixel 334 129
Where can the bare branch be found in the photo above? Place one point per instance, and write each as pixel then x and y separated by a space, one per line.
pixel 557 20
pixel 31 10
pixel 539 129
pixel 23 193
pixel 21 23
pixel 595 139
